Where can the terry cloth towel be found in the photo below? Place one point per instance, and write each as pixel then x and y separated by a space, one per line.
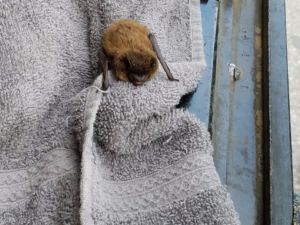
pixel 71 154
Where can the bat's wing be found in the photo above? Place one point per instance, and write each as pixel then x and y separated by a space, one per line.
pixel 160 57
pixel 103 67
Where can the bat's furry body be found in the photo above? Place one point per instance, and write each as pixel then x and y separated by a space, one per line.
pixel 132 51
pixel 127 45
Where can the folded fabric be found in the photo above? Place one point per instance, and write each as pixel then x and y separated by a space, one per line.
pixel 71 154
pixel 148 162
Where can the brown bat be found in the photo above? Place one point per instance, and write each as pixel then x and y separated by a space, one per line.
pixel 132 52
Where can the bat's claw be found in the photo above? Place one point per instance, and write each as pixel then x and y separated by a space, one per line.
pixel 170 76
pixel 104 89
pixel 100 89
pixel 173 79
pixel 105 85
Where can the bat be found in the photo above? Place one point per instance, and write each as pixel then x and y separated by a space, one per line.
pixel 132 52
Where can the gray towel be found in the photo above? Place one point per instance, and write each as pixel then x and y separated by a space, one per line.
pixel 70 153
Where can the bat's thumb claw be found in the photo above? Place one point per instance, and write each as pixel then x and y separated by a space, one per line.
pixel 105 88
pixel 173 79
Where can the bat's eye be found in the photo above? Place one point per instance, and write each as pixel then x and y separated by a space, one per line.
pixel 126 63
pixel 153 63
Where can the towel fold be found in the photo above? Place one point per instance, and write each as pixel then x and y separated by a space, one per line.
pixel 71 154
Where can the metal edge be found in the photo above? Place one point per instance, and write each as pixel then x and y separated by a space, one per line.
pixel 280 151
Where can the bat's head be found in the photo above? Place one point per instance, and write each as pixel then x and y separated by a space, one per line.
pixel 136 65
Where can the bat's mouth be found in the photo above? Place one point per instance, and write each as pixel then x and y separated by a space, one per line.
pixel 137 79
pixel 138 83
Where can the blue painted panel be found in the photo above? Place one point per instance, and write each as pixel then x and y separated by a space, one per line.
pixel 237 113
pixel 249 118
pixel 281 185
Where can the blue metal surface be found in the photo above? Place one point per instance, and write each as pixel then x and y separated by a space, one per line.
pixel 237 114
pixel 249 117
pixel 235 107
pixel 281 185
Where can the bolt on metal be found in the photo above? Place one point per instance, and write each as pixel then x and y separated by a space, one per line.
pixel 234 72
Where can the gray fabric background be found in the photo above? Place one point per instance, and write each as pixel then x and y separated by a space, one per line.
pixel 293 44
pixel 70 153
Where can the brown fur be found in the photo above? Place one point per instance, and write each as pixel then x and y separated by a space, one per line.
pixel 127 45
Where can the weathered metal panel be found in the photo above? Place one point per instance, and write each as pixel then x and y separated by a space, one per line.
pixel 281 186
pixel 249 151
pixel 236 115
